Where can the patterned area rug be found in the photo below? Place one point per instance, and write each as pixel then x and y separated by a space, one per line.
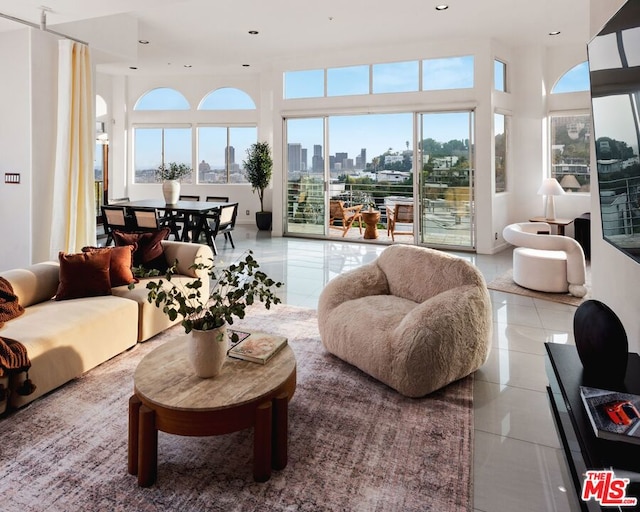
pixel 504 283
pixel 354 444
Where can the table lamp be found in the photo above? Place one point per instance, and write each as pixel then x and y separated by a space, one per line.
pixel 549 188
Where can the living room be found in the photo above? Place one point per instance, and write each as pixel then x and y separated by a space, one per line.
pixel 27 133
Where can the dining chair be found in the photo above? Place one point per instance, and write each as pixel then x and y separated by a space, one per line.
pixel 114 217
pixel 118 200
pixel 223 221
pixel 217 199
pixel 147 220
pixel 182 220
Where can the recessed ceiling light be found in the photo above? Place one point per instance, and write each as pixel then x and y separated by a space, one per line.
pixel 188 66
pixel 253 32
pixel 246 65
pixel 442 7
pixel 143 41
pixel 554 33
pixel 133 67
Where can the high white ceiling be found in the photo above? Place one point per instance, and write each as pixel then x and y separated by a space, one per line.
pixel 213 34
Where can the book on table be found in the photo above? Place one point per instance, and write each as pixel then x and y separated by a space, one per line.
pixel 257 347
pixel 613 415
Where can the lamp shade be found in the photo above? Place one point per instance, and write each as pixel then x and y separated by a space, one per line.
pixel 550 187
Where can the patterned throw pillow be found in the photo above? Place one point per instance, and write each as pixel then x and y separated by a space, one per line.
pixel 85 274
pixel 148 253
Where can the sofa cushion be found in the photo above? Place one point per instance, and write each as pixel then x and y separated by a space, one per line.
pixel 35 283
pixel 120 263
pixel 64 339
pixel 85 274
pixel 148 253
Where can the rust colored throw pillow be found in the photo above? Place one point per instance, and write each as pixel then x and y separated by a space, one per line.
pixel 120 263
pixel 149 253
pixel 85 274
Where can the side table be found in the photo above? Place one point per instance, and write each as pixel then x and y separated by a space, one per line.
pixel 371 218
pixel 558 223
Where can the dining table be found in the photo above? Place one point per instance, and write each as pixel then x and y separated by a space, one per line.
pixel 194 212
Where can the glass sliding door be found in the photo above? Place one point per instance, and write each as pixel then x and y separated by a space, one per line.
pixel 305 187
pixel 446 198
pixel 370 163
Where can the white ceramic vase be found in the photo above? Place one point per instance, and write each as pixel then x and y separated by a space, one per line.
pixel 207 351
pixel 171 191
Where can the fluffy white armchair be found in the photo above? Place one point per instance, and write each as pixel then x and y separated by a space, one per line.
pixel 415 318
pixel 544 262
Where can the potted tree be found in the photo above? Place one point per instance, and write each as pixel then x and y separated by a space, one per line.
pixel 258 168
pixel 169 174
pixel 205 319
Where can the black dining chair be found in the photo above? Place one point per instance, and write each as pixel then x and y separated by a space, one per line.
pixel 223 222
pixel 151 220
pixel 115 217
pixel 182 221
pixel 217 199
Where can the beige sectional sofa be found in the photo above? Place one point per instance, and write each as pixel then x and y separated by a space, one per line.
pixel 66 338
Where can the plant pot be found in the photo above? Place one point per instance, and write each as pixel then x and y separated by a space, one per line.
pixel 263 220
pixel 171 191
pixel 207 351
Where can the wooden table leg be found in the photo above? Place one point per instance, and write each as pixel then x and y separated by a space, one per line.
pixel 280 431
pixel 134 411
pixel 147 447
pixel 262 442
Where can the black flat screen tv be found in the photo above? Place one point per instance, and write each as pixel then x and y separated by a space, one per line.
pixel 614 72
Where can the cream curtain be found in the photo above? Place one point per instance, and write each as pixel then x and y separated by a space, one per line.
pixel 73 219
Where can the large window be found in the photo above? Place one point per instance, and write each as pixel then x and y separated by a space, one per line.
pixel 500 144
pixel 499 76
pixel 156 146
pixel 447 73
pixel 388 77
pixel 221 148
pixel 570 151
pixel 221 152
pixel 396 77
pixel 574 80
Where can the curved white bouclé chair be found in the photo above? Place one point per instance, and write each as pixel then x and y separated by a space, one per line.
pixel 546 263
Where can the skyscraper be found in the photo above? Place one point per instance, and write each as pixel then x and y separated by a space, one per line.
pixel 317 161
pixel 294 156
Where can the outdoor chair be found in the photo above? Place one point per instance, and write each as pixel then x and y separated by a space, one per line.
pixel 338 212
pixel 399 214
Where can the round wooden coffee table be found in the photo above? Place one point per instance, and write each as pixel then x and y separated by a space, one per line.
pixel 169 397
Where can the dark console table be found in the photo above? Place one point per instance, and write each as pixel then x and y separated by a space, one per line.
pixel 583 450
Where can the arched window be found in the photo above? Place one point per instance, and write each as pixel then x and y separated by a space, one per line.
pixel 574 80
pixel 227 98
pixel 162 98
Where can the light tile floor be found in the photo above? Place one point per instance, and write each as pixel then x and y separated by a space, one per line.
pixel 518 462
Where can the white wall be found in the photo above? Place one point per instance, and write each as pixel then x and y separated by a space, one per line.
pixel 27 140
pixel 15 150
